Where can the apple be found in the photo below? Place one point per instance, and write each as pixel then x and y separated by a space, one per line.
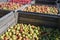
pixel 15 27
pixel 7 34
pixel 27 39
pixel 23 35
pixel 17 32
pixel 5 8
pixel 10 39
pixel 14 37
pixel 10 33
pixel 21 30
pixel 18 28
pixel 13 30
pixel 24 38
pixel 20 38
pixel 18 25
pixel 5 38
pixel 2 37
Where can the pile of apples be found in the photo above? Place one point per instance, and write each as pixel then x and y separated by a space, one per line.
pixel 21 32
pixel 21 1
pixel 10 6
pixel 30 32
pixel 45 9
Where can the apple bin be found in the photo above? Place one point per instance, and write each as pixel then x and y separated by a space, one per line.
pixel 30 22
pixel 34 11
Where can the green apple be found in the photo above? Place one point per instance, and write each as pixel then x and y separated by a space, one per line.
pixel 14 33
pixel 29 36
pixel 15 27
pixel 10 39
pixel 18 28
pixel 25 25
pixel 23 32
pixel 31 31
pixel 6 33
pixel 34 35
pixel 36 31
pixel 18 25
pixel 14 37
pixel 5 8
pixel 13 30
pixel 2 37
pixel 10 33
